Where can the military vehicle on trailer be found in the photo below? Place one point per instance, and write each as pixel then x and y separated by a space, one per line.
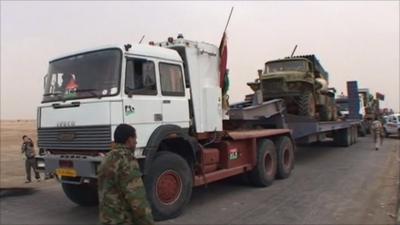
pixel 302 82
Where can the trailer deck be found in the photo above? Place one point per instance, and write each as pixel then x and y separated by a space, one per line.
pixel 302 126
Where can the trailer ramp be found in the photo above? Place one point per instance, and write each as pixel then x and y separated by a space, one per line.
pixel 248 111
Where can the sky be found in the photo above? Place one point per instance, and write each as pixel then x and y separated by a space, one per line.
pixel 353 40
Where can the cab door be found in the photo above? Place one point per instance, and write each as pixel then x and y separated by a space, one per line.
pixel 175 104
pixel 141 100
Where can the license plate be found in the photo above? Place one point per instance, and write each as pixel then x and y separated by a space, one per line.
pixel 66 172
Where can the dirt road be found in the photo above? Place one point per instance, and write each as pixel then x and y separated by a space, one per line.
pixel 330 185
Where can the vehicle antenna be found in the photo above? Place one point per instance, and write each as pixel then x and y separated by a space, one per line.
pixel 295 47
pixel 229 18
pixel 141 39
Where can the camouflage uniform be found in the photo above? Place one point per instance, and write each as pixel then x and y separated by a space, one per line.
pixel 30 161
pixel 122 197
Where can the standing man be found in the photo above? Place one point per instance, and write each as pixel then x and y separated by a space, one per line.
pixel 28 150
pixel 122 196
pixel 377 130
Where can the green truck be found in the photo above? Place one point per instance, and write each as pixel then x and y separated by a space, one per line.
pixel 302 82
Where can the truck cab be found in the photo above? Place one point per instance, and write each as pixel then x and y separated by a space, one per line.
pixel 87 94
pixel 95 90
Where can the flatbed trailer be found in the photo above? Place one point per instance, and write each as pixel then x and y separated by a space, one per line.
pixel 304 130
pixel 307 130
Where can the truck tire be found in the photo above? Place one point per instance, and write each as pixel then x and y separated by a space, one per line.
pixel 306 104
pixel 342 137
pixel 82 194
pixel 264 173
pixel 168 185
pixel 325 113
pixel 285 157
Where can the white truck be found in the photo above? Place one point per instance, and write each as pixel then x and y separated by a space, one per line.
pixel 170 92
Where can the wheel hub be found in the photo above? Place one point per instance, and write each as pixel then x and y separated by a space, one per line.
pixel 268 164
pixel 168 187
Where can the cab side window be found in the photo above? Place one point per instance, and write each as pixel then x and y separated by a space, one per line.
pixel 140 77
pixel 171 80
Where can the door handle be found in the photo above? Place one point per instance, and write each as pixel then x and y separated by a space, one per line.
pixel 166 101
pixel 158 117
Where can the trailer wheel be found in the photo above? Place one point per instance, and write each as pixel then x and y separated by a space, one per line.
pixel 355 134
pixel 362 131
pixel 285 157
pixel 351 135
pixel 169 185
pixel 264 173
pixel 306 104
pixel 342 137
pixel 81 194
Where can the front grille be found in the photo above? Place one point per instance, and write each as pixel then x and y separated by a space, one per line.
pixel 75 138
pixel 272 85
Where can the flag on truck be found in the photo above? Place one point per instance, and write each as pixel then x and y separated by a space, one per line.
pixel 380 96
pixel 223 54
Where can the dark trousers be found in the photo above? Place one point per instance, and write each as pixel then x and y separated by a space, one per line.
pixel 31 163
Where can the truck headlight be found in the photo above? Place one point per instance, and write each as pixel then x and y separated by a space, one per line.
pixel 40 165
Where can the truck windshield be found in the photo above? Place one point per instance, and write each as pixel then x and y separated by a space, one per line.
pixel 87 75
pixel 343 106
pixel 294 65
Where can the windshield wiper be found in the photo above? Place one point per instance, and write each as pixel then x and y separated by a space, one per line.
pixel 92 91
pixel 55 94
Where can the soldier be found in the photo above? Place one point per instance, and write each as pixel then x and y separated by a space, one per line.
pixel 377 130
pixel 122 196
pixel 28 150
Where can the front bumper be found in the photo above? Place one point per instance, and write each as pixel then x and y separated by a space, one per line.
pixel 85 166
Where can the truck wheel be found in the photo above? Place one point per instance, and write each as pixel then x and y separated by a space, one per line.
pixel 169 185
pixel 82 194
pixel 285 157
pixel 324 113
pixel 306 104
pixel 264 173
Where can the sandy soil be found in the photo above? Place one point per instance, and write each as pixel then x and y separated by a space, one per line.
pixel 12 167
